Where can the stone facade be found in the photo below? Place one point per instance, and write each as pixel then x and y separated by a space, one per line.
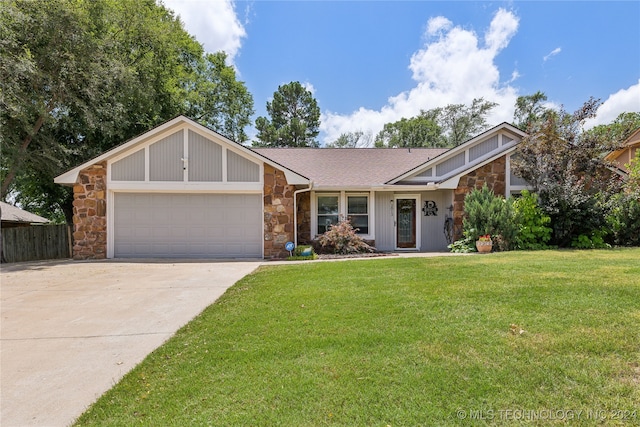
pixel 493 174
pixel 304 218
pixel 278 213
pixel 90 213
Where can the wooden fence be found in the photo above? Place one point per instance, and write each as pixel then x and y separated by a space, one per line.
pixel 36 243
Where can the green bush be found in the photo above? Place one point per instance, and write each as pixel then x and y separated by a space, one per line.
pixel 302 253
pixel 486 213
pixel 341 238
pixel 623 219
pixel 533 225
pixel 593 241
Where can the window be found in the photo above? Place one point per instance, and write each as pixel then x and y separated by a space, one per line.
pixel 332 207
pixel 327 212
pixel 358 213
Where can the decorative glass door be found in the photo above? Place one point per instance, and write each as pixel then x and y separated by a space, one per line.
pixel 406 223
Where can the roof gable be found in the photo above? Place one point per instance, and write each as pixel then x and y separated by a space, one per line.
pixel 162 134
pixel 464 158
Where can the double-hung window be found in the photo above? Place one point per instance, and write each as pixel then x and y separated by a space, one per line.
pixel 333 207
pixel 328 212
pixel 358 213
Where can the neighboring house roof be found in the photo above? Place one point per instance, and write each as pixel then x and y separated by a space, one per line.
pixel 12 213
pixel 350 167
pixel 626 152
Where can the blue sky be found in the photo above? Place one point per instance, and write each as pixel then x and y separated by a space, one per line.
pixel 372 62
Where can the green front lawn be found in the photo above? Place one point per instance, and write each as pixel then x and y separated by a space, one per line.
pixel 403 342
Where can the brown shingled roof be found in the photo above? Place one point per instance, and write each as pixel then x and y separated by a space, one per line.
pixel 345 167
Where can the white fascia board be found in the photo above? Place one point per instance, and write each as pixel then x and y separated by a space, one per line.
pixel 454 151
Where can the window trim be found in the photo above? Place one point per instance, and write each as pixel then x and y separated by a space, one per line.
pixel 342 209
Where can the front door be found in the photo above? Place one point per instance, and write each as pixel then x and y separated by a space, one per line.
pixel 406 223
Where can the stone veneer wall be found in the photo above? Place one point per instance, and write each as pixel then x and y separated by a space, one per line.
pixel 492 174
pixel 278 213
pixel 90 213
pixel 304 218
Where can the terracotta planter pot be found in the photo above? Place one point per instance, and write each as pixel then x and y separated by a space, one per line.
pixel 484 247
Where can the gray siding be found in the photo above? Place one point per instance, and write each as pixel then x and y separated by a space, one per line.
pixel 240 169
pixel 165 158
pixel 385 239
pixel 432 233
pixel 483 148
pixel 130 168
pixel 205 159
pixel 426 173
pixel 450 165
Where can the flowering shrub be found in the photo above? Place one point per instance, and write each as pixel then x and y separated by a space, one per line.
pixel 341 238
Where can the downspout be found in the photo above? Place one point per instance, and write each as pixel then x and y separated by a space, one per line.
pixel 295 211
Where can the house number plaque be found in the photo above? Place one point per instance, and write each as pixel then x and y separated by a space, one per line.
pixel 430 208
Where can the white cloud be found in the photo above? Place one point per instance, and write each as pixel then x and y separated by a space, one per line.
pixel 437 24
pixel 452 68
pixel 623 101
pixel 554 52
pixel 308 86
pixel 215 24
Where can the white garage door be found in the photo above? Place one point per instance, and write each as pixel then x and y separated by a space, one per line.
pixel 187 225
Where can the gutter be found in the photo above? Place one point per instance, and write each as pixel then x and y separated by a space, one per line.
pixel 295 211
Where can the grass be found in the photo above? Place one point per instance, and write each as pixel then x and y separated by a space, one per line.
pixel 403 342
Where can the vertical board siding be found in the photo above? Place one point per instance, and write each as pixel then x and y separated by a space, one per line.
pixel 165 158
pixel 36 243
pixel 205 159
pixel 483 148
pixel 131 168
pixel 385 239
pixel 426 173
pixel 240 169
pixel 433 237
pixel 450 165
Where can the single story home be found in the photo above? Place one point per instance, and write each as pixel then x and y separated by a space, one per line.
pixel 183 190
pixel 13 216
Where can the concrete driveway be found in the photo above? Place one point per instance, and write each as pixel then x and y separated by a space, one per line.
pixel 71 330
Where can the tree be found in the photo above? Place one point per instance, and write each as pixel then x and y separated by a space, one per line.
pixel 530 111
pixel 448 126
pixel 460 122
pixel 220 101
pixel 419 131
pixel 80 77
pixel 565 165
pixel 295 119
pixel 358 139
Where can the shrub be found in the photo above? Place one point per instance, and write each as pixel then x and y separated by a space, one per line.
pixel 301 253
pixel 486 213
pixel 573 210
pixel 623 219
pixel 533 225
pixel 341 238
pixel 593 241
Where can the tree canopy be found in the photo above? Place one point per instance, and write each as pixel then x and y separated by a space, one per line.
pixel 295 119
pixel 448 126
pixel 82 76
